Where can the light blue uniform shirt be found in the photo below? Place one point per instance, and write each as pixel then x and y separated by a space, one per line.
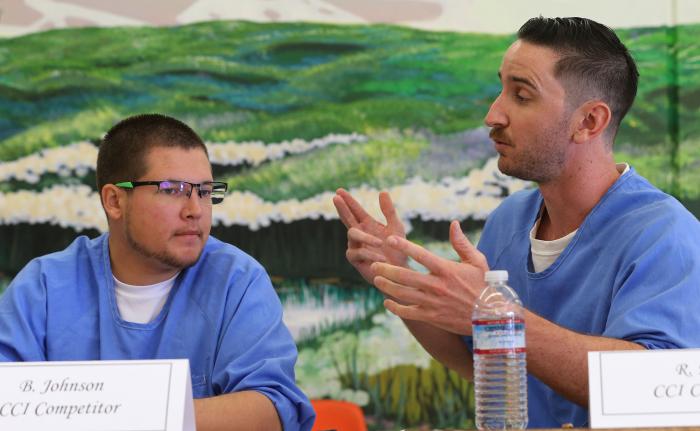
pixel 222 314
pixel 632 271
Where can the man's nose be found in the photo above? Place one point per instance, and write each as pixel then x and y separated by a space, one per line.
pixel 193 207
pixel 496 117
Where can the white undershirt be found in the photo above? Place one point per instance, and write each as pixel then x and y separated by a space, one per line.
pixel 141 304
pixel 544 253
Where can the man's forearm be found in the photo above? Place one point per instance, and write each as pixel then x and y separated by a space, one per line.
pixel 559 356
pixel 246 410
pixel 446 347
pixel 555 355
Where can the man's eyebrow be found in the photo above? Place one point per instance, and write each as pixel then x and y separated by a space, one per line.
pixel 521 80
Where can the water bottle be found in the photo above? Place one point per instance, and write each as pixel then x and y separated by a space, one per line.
pixel 500 372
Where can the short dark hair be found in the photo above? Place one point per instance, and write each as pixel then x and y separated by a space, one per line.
pixel 123 150
pixel 593 62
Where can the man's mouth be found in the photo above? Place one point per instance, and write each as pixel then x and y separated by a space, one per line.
pixel 189 233
pixel 499 139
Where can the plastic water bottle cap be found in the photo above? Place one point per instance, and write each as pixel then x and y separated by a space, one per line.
pixel 496 276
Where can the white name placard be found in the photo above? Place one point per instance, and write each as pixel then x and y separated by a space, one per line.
pixel 642 389
pixel 153 395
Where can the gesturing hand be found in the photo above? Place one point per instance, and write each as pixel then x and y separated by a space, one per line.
pixel 443 298
pixel 366 235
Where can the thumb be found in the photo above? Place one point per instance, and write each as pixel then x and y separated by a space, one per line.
pixel 464 248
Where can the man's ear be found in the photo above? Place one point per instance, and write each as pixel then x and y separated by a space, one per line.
pixel 113 201
pixel 592 120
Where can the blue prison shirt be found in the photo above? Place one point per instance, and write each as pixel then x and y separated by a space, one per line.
pixel 632 272
pixel 222 314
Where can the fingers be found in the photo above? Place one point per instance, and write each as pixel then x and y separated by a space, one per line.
pixel 410 312
pixel 358 237
pixel 389 211
pixel 406 277
pixel 362 255
pixel 344 212
pixel 464 248
pixel 354 208
pixel 429 260
pixel 400 293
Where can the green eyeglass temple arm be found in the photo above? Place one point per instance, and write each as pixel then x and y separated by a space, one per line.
pixel 125 184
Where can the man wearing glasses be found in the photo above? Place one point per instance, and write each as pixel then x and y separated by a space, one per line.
pixel 157 286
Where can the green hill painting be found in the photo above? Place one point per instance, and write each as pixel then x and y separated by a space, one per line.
pixel 291 112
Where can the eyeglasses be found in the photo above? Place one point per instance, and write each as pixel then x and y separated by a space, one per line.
pixel 212 191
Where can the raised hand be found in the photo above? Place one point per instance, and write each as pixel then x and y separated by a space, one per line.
pixel 366 236
pixel 443 298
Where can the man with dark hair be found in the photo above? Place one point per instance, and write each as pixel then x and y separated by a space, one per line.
pixel 601 259
pixel 602 70
pixel 157 286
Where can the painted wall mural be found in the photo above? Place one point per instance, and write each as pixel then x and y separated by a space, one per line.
pixel 291 111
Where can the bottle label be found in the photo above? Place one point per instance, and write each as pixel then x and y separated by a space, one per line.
pixel 498 337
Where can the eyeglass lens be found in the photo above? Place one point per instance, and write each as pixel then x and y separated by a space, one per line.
pixel 205 191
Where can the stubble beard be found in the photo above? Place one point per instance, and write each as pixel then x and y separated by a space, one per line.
pixel 541 163
pixel 163 257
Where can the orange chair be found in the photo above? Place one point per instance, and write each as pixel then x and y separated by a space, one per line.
pixel 338 416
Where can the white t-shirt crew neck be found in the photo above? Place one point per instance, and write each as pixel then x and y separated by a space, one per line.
pixel 141 304
pixel 544 253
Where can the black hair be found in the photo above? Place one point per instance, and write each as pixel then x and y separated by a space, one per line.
pixel 123 150
pixel 593 62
